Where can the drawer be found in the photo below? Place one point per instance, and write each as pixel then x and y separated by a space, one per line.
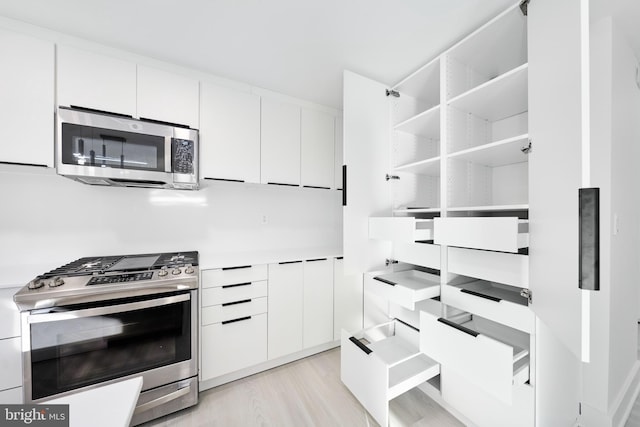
pixel 422 254
pixel 232 293
pixel 500 303
pixel 401 229
pixel 233 275
pixel 405 288
pixel 228 347
pixel 508 268
pixel 505 234
pixel 233 310
pixel 11 362
pixel 492 356
pixel 382 362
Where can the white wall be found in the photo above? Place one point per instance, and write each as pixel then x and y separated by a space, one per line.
pixel 47 220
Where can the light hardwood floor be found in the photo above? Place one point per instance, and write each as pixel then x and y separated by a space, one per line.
pixel 307 392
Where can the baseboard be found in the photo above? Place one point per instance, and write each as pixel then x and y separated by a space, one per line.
pixel 265 366
pixel 624 403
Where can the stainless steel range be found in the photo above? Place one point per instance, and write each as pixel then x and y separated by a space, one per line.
pixel 99 320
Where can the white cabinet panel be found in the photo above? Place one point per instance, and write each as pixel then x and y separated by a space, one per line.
pixel 339 155
pixel 167 97
pixel 347 300
pixel 11 362
pixel 405 288
pixel 233 275
pixel 229 134
pixel 317 149
pixel 12 396
pixel 401 229
pixel 507 234
pixel 501 267
pixel 318 303
pixel 285 308
pixel 26 85
pixel 280 139
pixel 10 325
pixel 96 81
pixel 232 293
pixel 422 254
pixel 233 310
pixel 234 345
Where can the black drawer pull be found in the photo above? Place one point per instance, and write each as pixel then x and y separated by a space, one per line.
pixel 226 304
pixel 388 282
pixel 478 294
pixel 408 325
pixel 223 179
pixel 316 259
pixel 240 319
pixel 282 183
pixel 317 187
pixel 289 262
pixel 458 327
pixel 236 268
pixel 339 257
pixel 236 285
pixel 361 346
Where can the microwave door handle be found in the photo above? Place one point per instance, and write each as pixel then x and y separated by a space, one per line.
pixel 103 311
pixel 168 156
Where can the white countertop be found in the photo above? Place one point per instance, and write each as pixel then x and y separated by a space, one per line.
pixel 107 406
pixel 209 261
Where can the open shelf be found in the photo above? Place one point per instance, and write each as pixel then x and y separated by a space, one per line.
pixel 498 153
pixel 411 373
pixel 425 124
pixel 406 288
pixel 423 167
pixel 423 84
pixel 502 97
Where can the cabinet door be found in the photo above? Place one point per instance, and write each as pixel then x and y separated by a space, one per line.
pixel 317 145
pixel 285 309
pixel 338 157
pixel 280 137
pixel 96 81
pixel 229 134
pixel 347 300
pixel 318 302
pixel 167 97
pixel 26 84
pixel 367 154
pixel 11 359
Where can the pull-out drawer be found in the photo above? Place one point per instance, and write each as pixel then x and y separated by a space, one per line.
pixel 401 229
pixel 380 363
pixel 500 303
pixel 233 310
pixel 422 254
pixel 232 345
pixel 232 293
pixel 233 275
pixel 505 234
pixel 501 267
pixel 492 356
pixel 405 287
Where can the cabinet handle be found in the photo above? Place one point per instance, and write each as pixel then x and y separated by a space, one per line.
pixel 458 327
pixel 388 282
pixel 339 257
pixel 289 262
pixel 223 179
pixel 478 294
pixel 236 285
pixel 589 239
pixel 344 185
pixel 244 301
pixel 235 268
pixel 282 183
pixel 23 164
pixel 361 346
pixel 316 259
pixel 240 319
pixel 317 187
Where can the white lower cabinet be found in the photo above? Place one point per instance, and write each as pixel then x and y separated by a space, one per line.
pixel 286 295
pixel 318 302
pixel 382 362
pixel 11 362
pixel 347 300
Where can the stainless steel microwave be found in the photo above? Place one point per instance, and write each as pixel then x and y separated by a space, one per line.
pixel 104 149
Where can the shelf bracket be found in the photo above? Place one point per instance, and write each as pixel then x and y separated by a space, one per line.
pixel 391 92
pixel 388 262
pixel 526 293
pixel 523 6
pixel 387 177
pixel 527 149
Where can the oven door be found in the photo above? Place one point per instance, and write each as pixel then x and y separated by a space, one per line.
pixel 74 347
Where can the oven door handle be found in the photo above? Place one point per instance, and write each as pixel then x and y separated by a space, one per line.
pixel 102 311
pixel 162 400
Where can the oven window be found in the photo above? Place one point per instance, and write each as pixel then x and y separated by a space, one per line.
pixel 73 353
pixel 108 148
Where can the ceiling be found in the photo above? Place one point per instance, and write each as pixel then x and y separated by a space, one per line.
pixel 295 47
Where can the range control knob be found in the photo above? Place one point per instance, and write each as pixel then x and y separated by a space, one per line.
pixel 176 271
pixel 189 269
pixel 58 281
pixel 35 284
pixel 163 272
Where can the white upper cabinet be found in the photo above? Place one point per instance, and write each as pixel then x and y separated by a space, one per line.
pixel 167 97
pixel 338 156
pixel 280 136
pixel 317 145
pixel 26 84
pixel 96 81
pixel 229 134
